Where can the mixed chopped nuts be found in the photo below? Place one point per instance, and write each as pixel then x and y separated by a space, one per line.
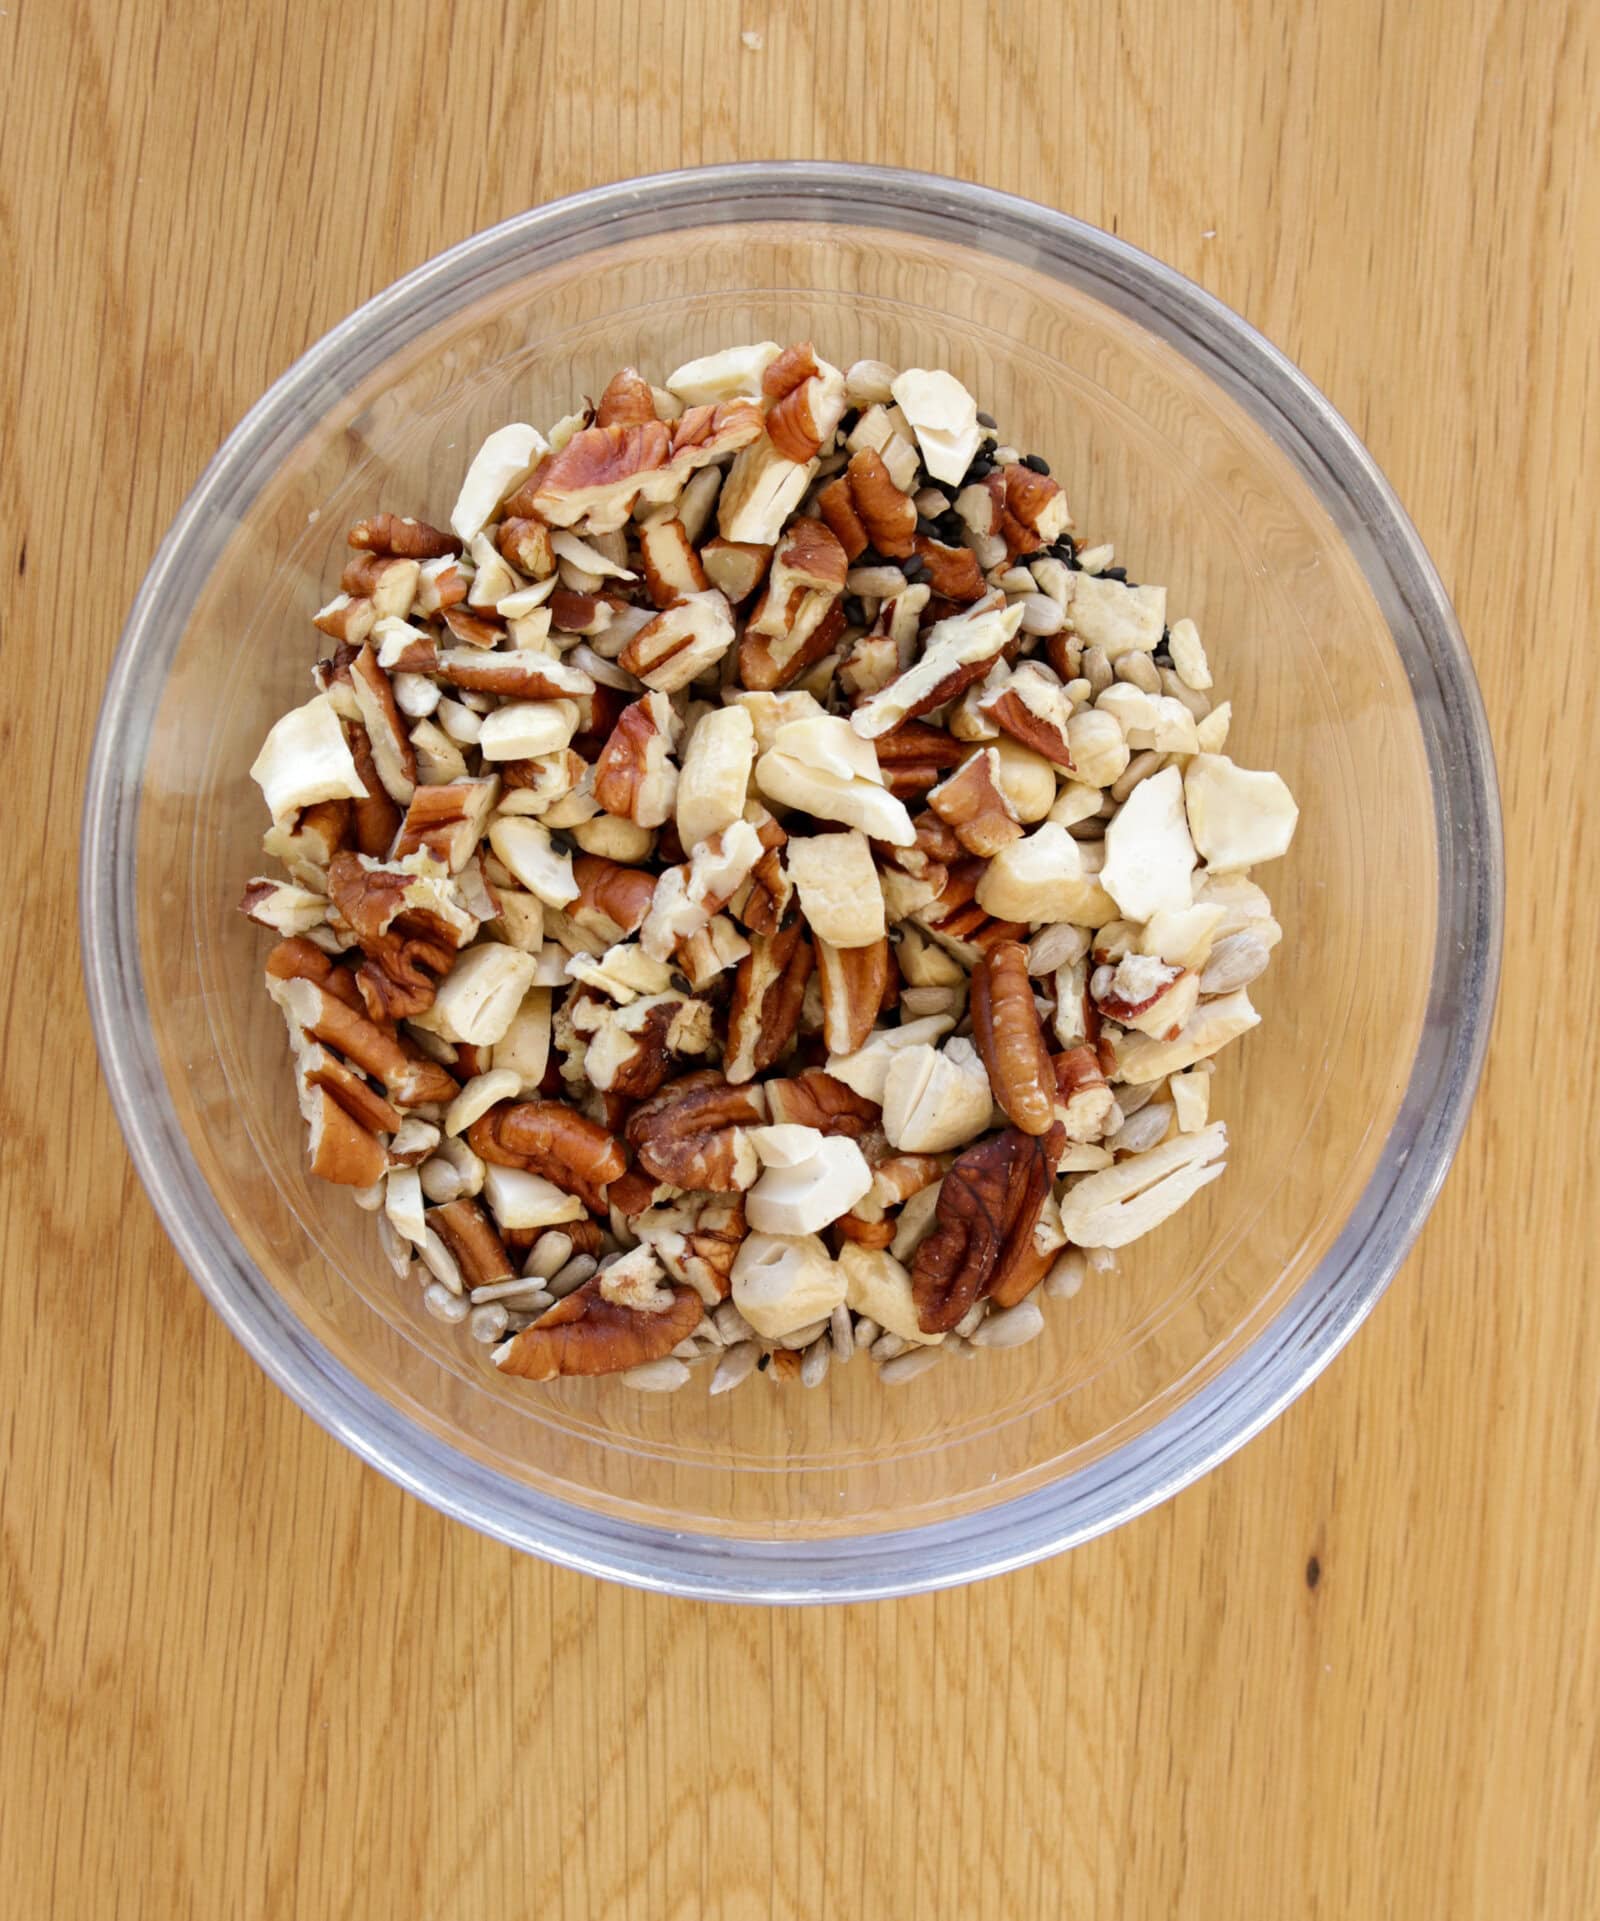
pixel 759 888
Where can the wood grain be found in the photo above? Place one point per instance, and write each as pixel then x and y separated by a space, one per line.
pixel 1355 1672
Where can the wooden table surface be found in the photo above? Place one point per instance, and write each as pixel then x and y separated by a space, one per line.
pixel 1355 1672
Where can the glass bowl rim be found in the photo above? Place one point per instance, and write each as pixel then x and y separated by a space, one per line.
pixel 1310 1328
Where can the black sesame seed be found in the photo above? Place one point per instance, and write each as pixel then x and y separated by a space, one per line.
pixel 763 1364
pixel 979 470
pixel 854 613
pixel 987 420
pixel 1114 573
pixel 914 569
pixel 868 557
pixel 929 529
pixel 1037 462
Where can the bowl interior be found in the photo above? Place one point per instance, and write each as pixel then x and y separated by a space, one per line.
pixel 1194 493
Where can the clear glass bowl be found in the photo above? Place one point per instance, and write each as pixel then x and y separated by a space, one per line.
pixel 1181 435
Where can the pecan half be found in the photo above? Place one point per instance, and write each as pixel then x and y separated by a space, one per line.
pixel 693 1133
pixel 552 1139
pixel 587 1334
pixel 1005 1025
pixel 866 509
pixel 855 981
pixel 398 534
pixel 988 1207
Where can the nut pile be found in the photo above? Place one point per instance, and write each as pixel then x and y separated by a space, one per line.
pixel 758 888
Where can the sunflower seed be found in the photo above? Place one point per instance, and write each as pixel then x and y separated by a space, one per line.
pixel 887 1346
pixel 548 1255
pixel 571 1277
pixel 442 1304
pixel 1141 767
pixel 1142 1131
pixel 906 1367
pixel 487 1323
pixel 814 1365
pixel 867 1330
pixel 736 1364
pixel 1011 1326
pixel 731 1324
pixel 1236 960
pixel 657 1377
pixel 841 1333
pixel 440 1262
pixel 1066 1276
pixel 1138 670
pixel 971 1319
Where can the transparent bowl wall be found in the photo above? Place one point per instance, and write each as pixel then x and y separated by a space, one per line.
pixel 1179 435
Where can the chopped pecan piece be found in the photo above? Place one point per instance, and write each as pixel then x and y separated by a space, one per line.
pixel 815 1099
pixel 525 542
pixel 976 807
pixel 376 819
pixel 958 919
pixel 612 899
pixel 588 1334
pixel 769 986
pixel 466 1229
pixel 634 776
pixel 694 1133
pixel 671 566
pixel 596 477
pixel 953 572
pixel 1083 1097
pixel 552 1139
pixel 627 401
pixel 855 982
pixel 866 509
pixel 681 642
pixel 407 538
